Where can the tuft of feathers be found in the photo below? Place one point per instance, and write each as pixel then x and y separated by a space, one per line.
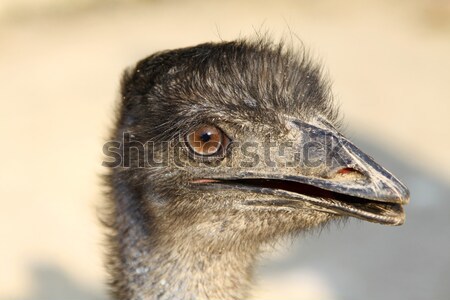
pixel 252 80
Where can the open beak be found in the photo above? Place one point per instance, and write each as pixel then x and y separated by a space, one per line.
pixel 330 175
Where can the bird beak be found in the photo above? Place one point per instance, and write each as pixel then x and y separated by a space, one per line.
pixel 328 173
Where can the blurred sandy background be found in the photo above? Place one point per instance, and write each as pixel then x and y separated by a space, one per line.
pixel 60 63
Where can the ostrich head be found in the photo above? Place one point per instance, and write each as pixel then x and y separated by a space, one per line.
pixel 227 147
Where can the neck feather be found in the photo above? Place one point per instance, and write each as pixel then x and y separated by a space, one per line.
pixel 159 262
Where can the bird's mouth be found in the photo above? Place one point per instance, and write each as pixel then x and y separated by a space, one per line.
pixel 288 193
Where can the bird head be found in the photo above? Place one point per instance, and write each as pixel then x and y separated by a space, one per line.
pixel 240 141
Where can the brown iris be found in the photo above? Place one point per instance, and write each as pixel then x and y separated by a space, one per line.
pixel 207 140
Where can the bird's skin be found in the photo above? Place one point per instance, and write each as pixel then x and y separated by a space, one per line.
pixel 225 148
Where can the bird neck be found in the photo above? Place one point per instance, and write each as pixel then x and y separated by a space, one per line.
pixel 164 262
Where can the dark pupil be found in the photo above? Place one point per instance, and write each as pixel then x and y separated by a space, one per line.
pixel 205 137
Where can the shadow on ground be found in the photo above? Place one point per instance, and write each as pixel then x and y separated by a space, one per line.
pixel 49 282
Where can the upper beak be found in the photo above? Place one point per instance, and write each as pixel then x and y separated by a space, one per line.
pixel 337 165
pixel 332 175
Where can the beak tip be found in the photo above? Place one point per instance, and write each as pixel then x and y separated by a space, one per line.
pixel 404 193
pixel 406 199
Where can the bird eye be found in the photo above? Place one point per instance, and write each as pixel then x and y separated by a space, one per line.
pixel 207 140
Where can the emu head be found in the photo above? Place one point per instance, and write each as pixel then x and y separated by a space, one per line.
pixel 237 143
